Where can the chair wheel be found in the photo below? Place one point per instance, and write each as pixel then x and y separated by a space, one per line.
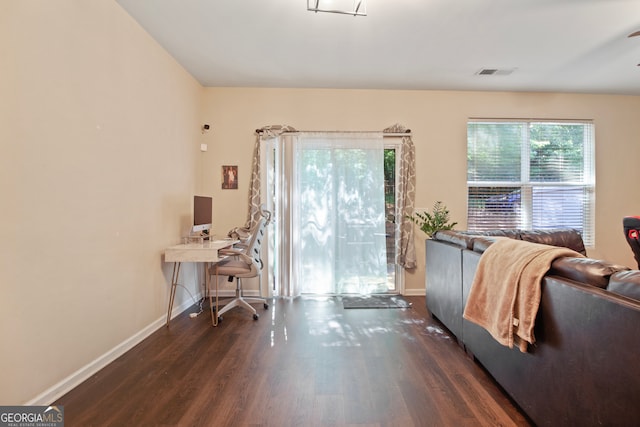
pixel 266 306
pixel 220 319
pixel 255 317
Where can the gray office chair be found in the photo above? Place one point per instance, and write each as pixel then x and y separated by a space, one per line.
pixel 242 262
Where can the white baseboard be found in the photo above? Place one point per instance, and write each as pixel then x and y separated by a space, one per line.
pixel 66 385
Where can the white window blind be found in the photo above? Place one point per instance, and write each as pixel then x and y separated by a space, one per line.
pixel 531 175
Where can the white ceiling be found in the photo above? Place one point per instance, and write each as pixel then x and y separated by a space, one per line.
pixel 549 45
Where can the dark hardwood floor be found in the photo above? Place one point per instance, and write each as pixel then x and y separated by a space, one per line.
pixel 305 362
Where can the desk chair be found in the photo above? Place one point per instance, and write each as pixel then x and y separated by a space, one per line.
pixel 242 262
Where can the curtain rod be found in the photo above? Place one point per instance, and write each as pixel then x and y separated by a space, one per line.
pixel 405 133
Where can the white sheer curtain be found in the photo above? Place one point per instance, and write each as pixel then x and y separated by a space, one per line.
pixel 338 213
pixel 263 134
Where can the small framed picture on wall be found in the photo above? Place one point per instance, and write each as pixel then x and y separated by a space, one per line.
pixel 229 177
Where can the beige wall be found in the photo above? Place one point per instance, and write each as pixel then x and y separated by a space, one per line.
pixel 99 146
pixel 438 121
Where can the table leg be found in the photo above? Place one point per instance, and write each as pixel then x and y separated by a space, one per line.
pixel 214 313
pixel 174 285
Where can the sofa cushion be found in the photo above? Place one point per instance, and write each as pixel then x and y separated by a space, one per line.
pixel 511 233
pixel 626 283
pixel 564 237
pixel 586 270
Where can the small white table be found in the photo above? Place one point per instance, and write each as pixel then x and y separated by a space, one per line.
pixel 204 252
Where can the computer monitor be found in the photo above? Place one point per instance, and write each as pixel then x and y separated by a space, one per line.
pixel 202 214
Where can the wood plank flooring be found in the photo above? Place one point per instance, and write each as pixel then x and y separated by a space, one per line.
pixel 305 362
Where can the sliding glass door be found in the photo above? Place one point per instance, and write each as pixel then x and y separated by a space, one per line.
pixel 334 213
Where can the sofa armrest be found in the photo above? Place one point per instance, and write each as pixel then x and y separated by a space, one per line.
pixel 460 239
pixel 481 244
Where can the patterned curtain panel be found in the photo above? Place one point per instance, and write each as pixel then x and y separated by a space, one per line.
pixel 406 198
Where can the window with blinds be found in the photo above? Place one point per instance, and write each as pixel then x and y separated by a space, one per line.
pixel 531 175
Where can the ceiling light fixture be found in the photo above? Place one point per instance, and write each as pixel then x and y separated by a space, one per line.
pixel 495 71
pixel 345 7
pixel 635 34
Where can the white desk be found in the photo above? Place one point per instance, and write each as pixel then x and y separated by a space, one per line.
pixel 206 253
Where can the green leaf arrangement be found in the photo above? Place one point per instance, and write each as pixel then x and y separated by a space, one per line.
pixel 437 219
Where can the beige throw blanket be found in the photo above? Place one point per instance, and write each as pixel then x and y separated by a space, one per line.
pixel 505 294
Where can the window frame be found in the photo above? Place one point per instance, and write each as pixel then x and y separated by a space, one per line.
pixel 526 185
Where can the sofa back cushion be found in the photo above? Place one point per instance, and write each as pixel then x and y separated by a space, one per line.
pixel 626 283
pixel 594 272
pixel 564 237
pixel 466 239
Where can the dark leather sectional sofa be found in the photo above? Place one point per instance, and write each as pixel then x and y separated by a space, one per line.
pixel 584 369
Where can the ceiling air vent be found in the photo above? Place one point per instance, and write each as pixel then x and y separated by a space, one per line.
pixel 495 71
